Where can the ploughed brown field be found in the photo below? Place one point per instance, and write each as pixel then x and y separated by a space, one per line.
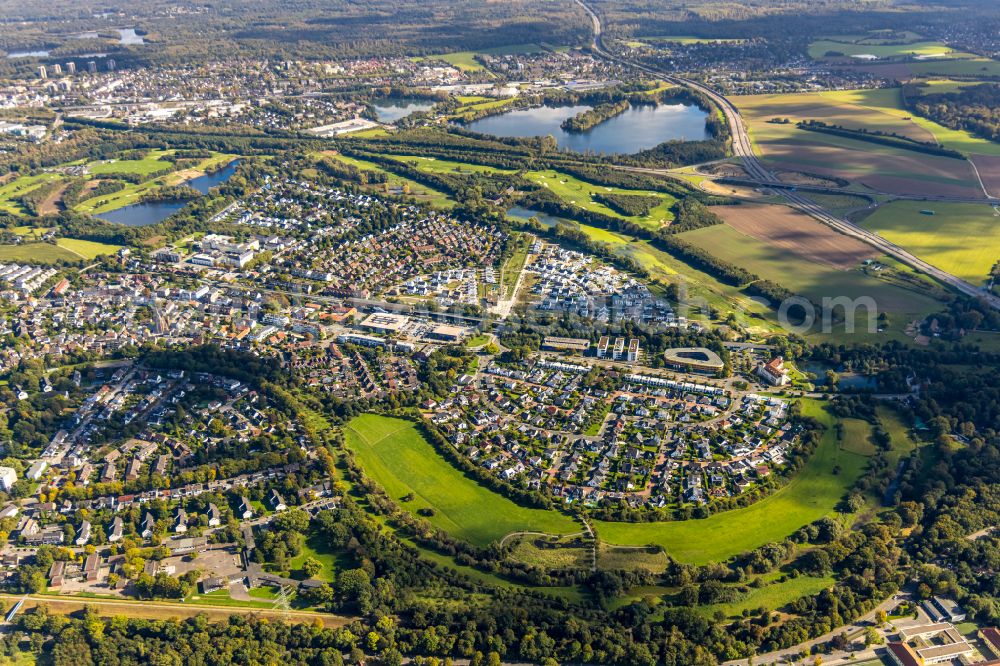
pixel 789 230
pixel 989 171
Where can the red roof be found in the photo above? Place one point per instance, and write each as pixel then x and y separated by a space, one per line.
pixel 903 654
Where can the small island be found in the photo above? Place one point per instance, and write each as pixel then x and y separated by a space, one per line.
pixel 585 120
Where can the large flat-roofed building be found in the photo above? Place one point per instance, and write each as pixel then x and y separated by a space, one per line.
pixel 940 609
pixel 385 322
pixel 935 643
pixel 447 333
pixel 695 359
pixel 619 349
pixel 567 344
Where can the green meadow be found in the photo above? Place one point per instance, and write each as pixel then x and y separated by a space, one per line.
pixel 395 455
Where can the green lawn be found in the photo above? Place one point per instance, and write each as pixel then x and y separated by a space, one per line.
pixel 962 239
pixel 315 547
pixel 813 493
pixel 435 165
pixel 580 193
pixel 394 454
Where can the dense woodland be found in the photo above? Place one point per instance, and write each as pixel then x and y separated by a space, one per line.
pixel 974 108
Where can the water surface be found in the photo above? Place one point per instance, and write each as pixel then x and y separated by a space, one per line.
pixel 639 128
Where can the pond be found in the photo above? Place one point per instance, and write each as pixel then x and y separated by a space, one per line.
pixel 143 214
pixel 522 213
pixel 639 128
pixel 204 183
pixel 153 212
pixel 391 109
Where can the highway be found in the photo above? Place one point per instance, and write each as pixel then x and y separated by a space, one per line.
pixel 743 148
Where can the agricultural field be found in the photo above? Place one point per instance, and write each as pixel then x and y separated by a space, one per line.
pixel 849 47
pixel 86 249
pixel 963 239
pixel 809 259
pixel 878 167
pixel 580 193
pixel 814 492
pixel 394 454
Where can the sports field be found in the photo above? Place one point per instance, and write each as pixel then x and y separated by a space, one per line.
pixel 962 239
pixel 394 454
pixel 813 493
pixel 580 193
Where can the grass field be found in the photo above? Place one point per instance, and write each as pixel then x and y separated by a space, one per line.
pixel 773 596
pixel 85 248
pixel 466 60
pixel 818 49
pixel 148 164
pixel 580 193
pixel 813 493
pixel 962 239
pixel 899 433
pixel 417 190
pixel 38 253
pixel 18 187
pixel 315 547
pixel 435 165
pixel 394 454
pixel 612 558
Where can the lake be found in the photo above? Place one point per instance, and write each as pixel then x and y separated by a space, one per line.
pixel 639 128
pixel 153 212
pixel 391 109
pixel 142 214
pixel 204 183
